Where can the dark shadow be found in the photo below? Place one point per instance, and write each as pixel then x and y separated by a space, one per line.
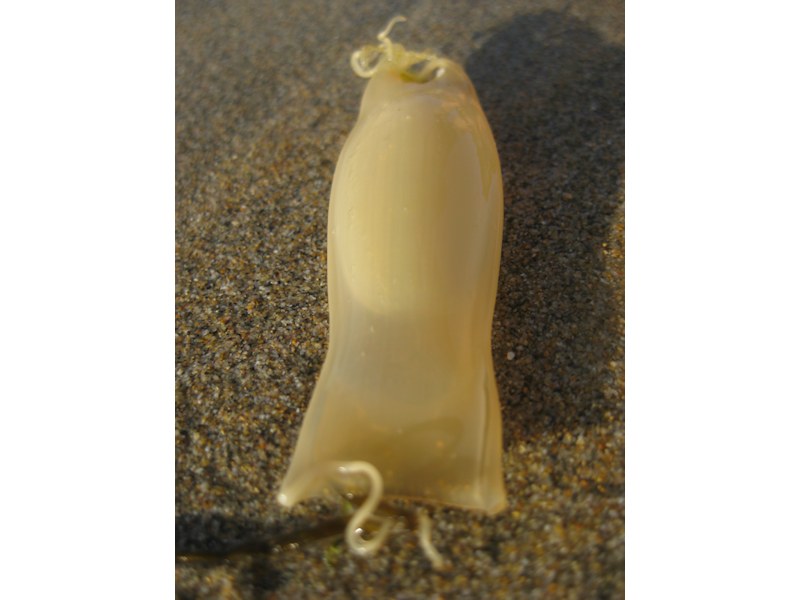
pixel 253 548
pixel 257 552
pixel 553 92
pixel 203 541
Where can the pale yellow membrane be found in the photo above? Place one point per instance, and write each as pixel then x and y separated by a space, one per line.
pixel 414 235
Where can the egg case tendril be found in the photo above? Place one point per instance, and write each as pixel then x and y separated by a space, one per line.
pixel 416 66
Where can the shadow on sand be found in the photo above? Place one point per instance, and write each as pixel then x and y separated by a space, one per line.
pixel 553 92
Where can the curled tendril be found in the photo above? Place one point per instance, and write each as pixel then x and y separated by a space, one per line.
pixel 366 511
pixel 425 542
pixel 383 36
pixel 417 66
pixel 366 60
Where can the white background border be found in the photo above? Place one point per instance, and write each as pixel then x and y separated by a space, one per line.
pixel 87 251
